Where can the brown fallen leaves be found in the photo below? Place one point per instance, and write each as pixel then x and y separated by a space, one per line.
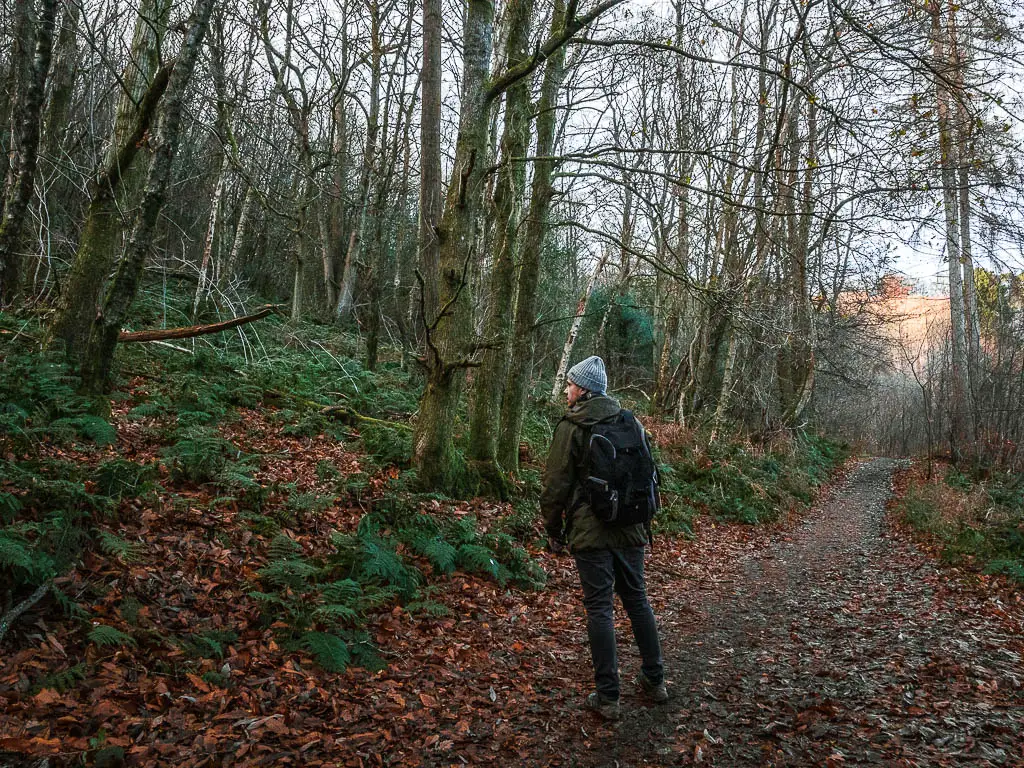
pixel 499 681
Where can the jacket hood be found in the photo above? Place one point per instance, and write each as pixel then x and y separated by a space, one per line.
pixel 592 410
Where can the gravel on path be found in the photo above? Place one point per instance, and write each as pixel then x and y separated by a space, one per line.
pixel 836 643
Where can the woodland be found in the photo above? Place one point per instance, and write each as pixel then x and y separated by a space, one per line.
pixel 288 294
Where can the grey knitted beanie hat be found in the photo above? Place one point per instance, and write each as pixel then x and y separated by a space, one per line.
pixel 590 375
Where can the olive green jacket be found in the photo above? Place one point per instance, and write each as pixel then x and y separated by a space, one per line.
pixel 567 515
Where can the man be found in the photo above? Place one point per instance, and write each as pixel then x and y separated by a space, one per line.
pixel 609 559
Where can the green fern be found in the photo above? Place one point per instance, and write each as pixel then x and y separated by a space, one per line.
pixel 68 607
pixel 10 505
pixel 428 607
pixel 295 574
pixel 269 600
pixel 106 636
pixel 462 531
pixel 129 610
pixel 282 547
pixel 64 680
pixel 479 559
pixel 87 426
pixel 343 591
pixel 376 597
pixel 118 478
pixel 238 476
pixel 16 552
pixel 199 456
pixel 439 552
pixel 380 561
pixel 209 644
pixel 330 651
pixel 115 546
pixel 147 409
pixel 337 613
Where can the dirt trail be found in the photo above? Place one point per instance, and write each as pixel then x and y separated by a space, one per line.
pixel 836 644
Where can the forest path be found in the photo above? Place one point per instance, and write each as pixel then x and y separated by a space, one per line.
pixel 837 643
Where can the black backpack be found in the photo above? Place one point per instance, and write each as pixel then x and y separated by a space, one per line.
pixel 619 477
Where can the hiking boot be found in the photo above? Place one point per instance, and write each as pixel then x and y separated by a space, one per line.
pixel 656 692
pixel 606 708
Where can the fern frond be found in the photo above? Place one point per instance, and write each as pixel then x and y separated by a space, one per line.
pixel 89 427
pixel 268 599
pixel 336 613
pixel 64 680
pixel 439 552
pixel 15 552
pixel 296 574
pixel 330 651
pixel 380 561
pixel 343 591
pixel 10 505
pixel 375 597
pixel 474 557
pixel 462 531
pixel 106 636
pixel 429 607
pixel 283 548
pixel 115 546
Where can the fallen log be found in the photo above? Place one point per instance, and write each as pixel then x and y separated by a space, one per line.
pixel 191 331
pixel 342 413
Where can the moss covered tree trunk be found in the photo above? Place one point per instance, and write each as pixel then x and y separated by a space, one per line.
pixel 489 384
pixel 104 330
pixel 448 324
pixel 520 369
pixel 115 186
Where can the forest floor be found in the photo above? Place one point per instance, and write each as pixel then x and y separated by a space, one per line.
pixel 830 639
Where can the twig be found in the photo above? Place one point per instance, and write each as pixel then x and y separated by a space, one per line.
pixel 12 615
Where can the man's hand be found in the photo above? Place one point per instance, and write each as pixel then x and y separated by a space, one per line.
pixel 555 546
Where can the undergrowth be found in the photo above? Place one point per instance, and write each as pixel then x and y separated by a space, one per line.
pixel 976 523
pixel 737 481
pixel 322 604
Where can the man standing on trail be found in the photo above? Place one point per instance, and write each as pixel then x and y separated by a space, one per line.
pixel 609 556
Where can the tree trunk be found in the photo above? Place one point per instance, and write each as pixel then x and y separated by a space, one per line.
pixel 227 269
pixel 574 328
pixel 116 183
pixel 206 262
pixel 430 163
pixel 18 190
pixel 19 75
pixel 105 329
pixel 367 213
pixel 62 80
pixel 725 395
pixel 449 327
pixel 489 383
pixel 520 369
pixel 959 406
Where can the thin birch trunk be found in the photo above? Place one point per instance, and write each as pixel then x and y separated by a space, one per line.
pixel 574 328
pixel 366 216
pixel 205 265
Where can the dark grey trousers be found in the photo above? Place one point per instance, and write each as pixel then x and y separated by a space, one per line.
pixel 604 573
